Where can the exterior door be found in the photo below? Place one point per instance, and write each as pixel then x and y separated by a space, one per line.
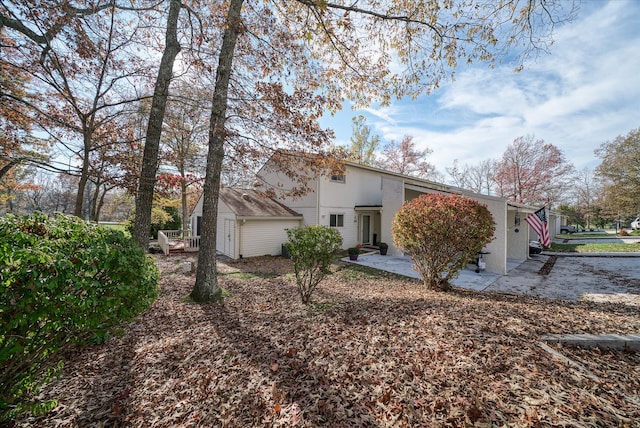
pixel 365 229
pixel 229 237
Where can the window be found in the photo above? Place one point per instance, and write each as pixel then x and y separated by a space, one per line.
pixel 337 178
pixel 336 220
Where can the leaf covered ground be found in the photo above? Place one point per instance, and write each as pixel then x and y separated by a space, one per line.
pixel 374 349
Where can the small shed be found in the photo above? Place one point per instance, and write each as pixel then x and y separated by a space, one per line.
pixel 250 224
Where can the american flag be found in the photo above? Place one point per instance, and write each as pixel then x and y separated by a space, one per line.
pixel 538 222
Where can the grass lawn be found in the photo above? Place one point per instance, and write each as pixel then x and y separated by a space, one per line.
pixel 596 235
pixel 585 235
pixel 595 248
pixel 374 349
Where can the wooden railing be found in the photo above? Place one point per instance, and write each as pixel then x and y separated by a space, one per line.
pixel 192 244
pixel 167 237
pixel 163 240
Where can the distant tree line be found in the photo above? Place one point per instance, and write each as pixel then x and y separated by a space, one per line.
pixel 530 172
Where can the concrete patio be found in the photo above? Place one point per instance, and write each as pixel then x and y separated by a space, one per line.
pixel 611 277
pixel 403 265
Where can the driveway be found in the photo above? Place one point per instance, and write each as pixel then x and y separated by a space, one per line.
pixel 613 278
pixel 605 277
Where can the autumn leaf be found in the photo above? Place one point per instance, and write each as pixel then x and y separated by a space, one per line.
pixel 385 397
pixel 179 360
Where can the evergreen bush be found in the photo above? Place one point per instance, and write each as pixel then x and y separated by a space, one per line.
pixel 313 249
pixel 63 282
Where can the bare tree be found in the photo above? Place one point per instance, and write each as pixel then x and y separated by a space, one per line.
pixel 81 72
pixel 404 158
pixel 481 177
pixel 184 139
pixel 532 172
pixel 586 192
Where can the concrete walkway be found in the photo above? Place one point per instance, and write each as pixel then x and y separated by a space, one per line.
pixel 611 277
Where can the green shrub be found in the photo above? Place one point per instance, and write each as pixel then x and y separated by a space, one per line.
pixel 312 250
pixel 173 222
pixel 63 282
pixel 442 233
pixel 162 218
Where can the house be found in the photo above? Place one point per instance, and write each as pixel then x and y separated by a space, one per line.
pixel 516 225
pixel 249 224
pixel 361 203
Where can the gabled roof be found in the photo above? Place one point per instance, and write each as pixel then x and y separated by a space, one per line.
pixel 424 183
pixel 407 179
pixel 251 203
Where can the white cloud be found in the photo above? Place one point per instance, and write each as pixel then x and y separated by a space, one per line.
pixel 586 92
pixel 384 113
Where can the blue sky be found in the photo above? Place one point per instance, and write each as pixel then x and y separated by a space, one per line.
pixel 585 92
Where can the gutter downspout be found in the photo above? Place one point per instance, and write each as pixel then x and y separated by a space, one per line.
pixel 240 224
pixel 317 201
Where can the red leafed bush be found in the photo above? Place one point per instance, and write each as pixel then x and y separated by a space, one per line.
pixel 442 233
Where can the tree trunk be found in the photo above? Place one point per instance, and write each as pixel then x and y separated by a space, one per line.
pixel 100 202
pixel 94 200
pixel 84 176
pixel 206 287
pixel 183 201
pixel 144 197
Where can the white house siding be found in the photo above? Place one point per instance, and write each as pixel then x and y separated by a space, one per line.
pixel 361 188
pixel 263 237
pixel 309 214
pixel 517 235
pixel 349 230
pixel 306 205
pixel 392 200
pixel 497 260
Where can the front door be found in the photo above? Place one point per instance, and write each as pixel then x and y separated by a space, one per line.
pixel 365 231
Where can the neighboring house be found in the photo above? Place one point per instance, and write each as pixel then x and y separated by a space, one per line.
pixel 517 214
pixel 249 224
pixel 361 203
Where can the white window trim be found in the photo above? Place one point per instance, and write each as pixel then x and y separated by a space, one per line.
pixel 337 222
pixel 340 178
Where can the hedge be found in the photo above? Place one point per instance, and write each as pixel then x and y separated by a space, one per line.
pixel 63 282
